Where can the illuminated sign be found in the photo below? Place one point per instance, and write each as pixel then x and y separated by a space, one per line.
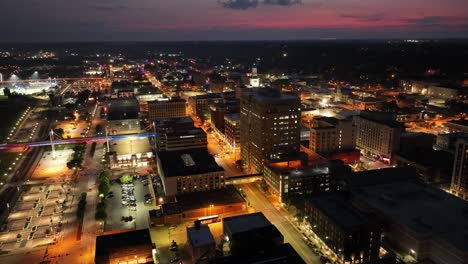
pixel 190 136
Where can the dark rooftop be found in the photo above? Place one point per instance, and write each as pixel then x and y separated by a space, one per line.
pixel 108 243
pixel 187 132
pixel 380 117
pixel 430 158
pixel 122 108
pixel 381 176
pixel 282 254
pixel 187 162
pixel 173 121
pixel 196 200
pixel 200 237
pixel 178 99
pixel 461 122
pixel 247 222
pixel 340 210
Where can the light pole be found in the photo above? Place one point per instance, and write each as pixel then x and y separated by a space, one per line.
pixel 51 134
pixel 107 139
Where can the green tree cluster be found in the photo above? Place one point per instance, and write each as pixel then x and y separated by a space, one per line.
pixel 103 190
pixel 78 155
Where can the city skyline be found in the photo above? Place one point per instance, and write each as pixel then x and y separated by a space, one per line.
pixel 182 20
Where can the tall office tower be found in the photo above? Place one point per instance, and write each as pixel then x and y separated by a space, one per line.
pixel 459 185
pixel 270 127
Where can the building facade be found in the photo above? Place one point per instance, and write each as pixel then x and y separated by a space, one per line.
pixel 379 138
pixel 459 184
pixel 232 129
pixel 181 139
pixel 290 179
pixel 200 105
pixel 347 232
pixel 270 127
pixel 189 170
pixel 328 135
pixel 166 109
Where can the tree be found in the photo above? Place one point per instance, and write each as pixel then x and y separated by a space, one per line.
pixel 100 215
pixel 101 211
pixel 104 175
pixel 104 186
pixel 126 178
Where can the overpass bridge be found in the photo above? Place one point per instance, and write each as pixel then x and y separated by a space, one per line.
pixel 74 141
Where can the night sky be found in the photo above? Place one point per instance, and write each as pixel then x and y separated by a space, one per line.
pixel 173 20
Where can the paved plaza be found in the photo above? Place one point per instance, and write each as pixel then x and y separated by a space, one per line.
pixel 51 169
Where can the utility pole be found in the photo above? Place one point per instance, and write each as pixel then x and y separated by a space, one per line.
pixel 155 138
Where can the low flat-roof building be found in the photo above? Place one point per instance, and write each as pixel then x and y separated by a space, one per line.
pixel 460 125
pixel 165 124
pixel 432 165
pixel 181 139
pixel 421 222
pixel 190 206
pixel 122 108
pixel 189 170
pixel 250 233
pixel 129 153
pixel 352 236
pixel 201 242
pixel 124 247
pixel 284 253
pixel 289 179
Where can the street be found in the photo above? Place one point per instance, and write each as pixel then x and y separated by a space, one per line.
pixel 279 217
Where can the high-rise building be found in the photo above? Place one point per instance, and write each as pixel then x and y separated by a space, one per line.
pixel 200 104
pixel 270 127
pixel 232 129
pixel 218 111
pixel 460 169
pixel 328 134
pixel 166 109
pixel 377 135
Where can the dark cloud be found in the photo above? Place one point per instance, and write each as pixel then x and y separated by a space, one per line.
pixel 364 17
pixel 428 20
pixel 250 4
pixel 106 8
pixel 282 2
pixel 240 4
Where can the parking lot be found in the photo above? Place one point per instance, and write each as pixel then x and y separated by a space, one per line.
pixel 39 217
pixel 128 205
